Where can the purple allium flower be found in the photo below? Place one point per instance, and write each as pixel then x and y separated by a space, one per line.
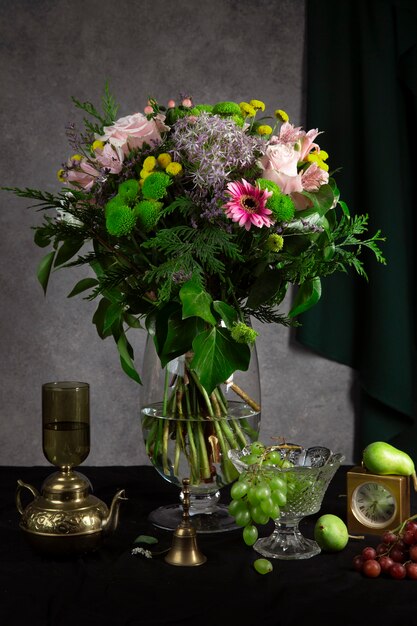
pixel 213 147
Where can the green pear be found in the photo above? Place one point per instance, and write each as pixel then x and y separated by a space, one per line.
pixel 382 458
pixel 331 533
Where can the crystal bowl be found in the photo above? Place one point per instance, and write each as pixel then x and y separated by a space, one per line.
pixel 308 476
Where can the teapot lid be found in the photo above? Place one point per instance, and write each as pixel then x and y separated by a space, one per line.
pixel 66 485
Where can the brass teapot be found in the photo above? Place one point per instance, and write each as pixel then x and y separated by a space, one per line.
pixel 65 518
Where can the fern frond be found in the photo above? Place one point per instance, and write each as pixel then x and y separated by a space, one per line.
pixel 110 109
pixel 181 204
pixel 268 315
pixel 110 106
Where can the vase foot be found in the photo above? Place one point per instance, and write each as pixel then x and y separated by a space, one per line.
pixel 217 521
pixel 287 547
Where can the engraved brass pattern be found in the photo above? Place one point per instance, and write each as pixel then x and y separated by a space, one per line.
pixel 63 522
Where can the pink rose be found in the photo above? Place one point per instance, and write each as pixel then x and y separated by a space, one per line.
pixel 287 184
pixel 281 157
pixel 111 158
pixel 132 131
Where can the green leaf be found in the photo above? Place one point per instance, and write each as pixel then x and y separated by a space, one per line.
pixel 44 269
pixel 227 313
pixel 323 200
pixel 156 323
pixel 41 238
pixel 113 313
pixel 132 321
pixel 308 224
pixel 217 356
pixel 83 285
pixel 264 288
pixel 345 208
pixel 99 317
pixel 125 350
pixel 179 337
pixel 307 296
pixel 68 249
pixel 145 539
pixel 196 302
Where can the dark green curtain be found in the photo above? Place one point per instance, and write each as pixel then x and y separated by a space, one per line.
pixel 361 90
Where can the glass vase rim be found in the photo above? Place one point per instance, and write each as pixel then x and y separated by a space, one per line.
pixel 334 460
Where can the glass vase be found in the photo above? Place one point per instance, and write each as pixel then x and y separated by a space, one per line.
pixel 188 434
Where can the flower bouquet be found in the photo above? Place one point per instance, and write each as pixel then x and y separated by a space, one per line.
pixel 198 217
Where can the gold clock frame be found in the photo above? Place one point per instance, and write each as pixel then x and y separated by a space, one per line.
pixel 399 486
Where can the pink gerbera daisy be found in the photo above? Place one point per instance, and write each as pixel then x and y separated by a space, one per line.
pixel 248 204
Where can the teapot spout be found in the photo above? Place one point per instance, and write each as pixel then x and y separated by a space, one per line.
pixel 112 520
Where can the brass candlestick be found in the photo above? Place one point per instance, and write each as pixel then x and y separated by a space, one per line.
pixel 184 550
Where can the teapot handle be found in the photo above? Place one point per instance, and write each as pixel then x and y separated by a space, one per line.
pixel 21 485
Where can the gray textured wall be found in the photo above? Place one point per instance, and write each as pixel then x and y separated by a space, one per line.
pixel 51 50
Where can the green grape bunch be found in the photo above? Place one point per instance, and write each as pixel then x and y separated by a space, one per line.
pixel 259 493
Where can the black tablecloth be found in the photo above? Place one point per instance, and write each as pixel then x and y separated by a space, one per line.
pixel 111 587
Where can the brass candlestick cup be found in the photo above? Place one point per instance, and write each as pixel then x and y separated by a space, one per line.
pixel 65 517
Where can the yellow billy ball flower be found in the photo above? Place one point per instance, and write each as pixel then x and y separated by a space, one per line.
pixel 264 129
pixel 281 115
pixel 144 174
pixel 275 243
pixel 60 175
pixel 247 109
pixel 97 145
pixel 164 159
pixel 173 168
pixel 149 164
pixel 258 105
pixel 76 157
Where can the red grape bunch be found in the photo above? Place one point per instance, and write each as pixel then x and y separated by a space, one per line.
pixel 395 556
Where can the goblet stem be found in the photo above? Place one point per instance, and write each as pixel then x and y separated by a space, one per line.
pixel 287 542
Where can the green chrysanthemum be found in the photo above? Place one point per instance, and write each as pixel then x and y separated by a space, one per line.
pixel 120 220
pixel 238 119
pixel 282 206
pixel 128 191
pixel 155 185
pixel 275 243
pixel 242 333
pixel 113 205
pixel 207 108
pixel 264 183
pixel 175 114
pixel 148 212
pixel 227 109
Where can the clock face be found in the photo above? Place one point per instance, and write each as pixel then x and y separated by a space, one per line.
pixel 373 504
